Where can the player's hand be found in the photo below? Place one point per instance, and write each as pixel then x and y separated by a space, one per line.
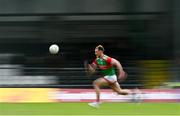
pixel 91 69
pixel 88 68
pixel 122 76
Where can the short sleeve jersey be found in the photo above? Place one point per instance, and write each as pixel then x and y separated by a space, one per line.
pixel 105 65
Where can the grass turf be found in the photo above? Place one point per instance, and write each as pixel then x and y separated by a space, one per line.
pixel 83 109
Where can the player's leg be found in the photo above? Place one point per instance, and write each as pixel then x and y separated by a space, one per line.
pixel 97 85
pixel 136 95
pixel 116 87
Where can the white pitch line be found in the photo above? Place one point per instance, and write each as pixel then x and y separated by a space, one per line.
pixel 92 115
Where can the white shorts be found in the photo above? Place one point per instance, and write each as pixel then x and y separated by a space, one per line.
pixel 111 79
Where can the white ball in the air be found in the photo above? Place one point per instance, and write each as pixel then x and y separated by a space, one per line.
pixel 54 49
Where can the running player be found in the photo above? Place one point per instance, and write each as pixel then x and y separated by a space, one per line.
pixel 108 67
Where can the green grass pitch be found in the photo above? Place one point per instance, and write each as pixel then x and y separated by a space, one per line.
pixel 64 109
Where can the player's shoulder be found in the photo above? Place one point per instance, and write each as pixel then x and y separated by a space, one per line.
pixel 105 57
pixel 95 61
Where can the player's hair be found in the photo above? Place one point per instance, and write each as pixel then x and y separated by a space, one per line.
pixel 100 47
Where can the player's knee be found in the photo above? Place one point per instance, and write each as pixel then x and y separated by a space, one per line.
pixel 95 83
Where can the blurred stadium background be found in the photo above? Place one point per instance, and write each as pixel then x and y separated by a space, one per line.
pixel 142 34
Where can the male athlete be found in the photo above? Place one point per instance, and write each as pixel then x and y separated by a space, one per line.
pixel 107 65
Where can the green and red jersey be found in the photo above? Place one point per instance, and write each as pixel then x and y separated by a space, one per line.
pixel 105 65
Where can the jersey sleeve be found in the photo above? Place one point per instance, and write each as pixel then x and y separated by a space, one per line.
pixel 109 59
pixel 94 62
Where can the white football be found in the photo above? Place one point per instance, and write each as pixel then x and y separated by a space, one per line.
pixel 54 49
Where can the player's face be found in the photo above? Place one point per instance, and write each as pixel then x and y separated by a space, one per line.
pixel 97 52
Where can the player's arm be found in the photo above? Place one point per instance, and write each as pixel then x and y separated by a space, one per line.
pixel 90 68
pixel 117 64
